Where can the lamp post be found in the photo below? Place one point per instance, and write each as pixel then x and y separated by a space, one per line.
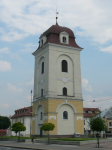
pixel 31 115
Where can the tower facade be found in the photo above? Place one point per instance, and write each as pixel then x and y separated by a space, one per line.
pixel 57 95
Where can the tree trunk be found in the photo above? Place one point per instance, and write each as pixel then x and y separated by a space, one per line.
pixel 19 137
pixel 98 140
pixel 48 137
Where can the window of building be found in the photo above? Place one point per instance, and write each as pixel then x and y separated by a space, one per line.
pixel 23 121
pixel 65 115
pixel 42 42
pixel 65 91
pixel 42 71
pixel 41 92
pixel 64 39
pixel 41 116
pixel 84 122
pixel 110 124
pixel 64 66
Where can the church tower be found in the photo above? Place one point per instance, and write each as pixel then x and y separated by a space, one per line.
pixel 57 95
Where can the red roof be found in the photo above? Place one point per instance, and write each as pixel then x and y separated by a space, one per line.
pixel 93 110
pixel 53 32
pixel 26 113
pixel 5 130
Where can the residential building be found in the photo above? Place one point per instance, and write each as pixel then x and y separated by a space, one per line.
pixel 107 116
pixel 89 112
pixel 23 115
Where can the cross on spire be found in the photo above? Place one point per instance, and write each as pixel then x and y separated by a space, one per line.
pixel 56 16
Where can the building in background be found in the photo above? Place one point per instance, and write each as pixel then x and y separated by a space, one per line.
pixel 22 115
pixel 57 92
pixel 107 116
pixel 87 113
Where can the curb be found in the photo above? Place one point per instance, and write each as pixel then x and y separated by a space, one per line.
pixel 23 147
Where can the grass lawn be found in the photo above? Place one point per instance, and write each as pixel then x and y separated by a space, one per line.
pixel 16 137
pixel 55 139
pixel 73 139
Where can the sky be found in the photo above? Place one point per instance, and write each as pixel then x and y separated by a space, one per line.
pixel 21 24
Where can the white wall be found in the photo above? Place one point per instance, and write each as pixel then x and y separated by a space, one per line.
pixel 26 124
pixel 66 127
pixel 39 122
pixel 52 79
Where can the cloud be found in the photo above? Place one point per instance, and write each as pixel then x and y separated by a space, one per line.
pixel 15 56
pixel 5 105
pixel 31 17
pixel 13 36
pixel 86 85
pixel 5 50
pixel 107 49
pixel 102 105
pixel 5 66
pixel 13 88
pixel 29 47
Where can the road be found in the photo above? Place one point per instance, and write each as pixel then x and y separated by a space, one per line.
pixel 10 145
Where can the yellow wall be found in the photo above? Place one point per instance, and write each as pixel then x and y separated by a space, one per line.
pixel 50 106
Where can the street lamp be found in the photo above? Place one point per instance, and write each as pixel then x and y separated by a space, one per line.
pixel 31 115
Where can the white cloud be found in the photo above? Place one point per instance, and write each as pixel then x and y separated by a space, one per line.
pixel 30 83
pixel 15 56
pixel 32 17
pixel 107 49
pixel 4 50
pixel 30 45
pixel 12 36
pixel 102 105
pixel 5 105
pixel 13 88
pixel 86 85
pixel 5 66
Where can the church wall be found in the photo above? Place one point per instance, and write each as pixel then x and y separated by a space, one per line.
pixel 51 105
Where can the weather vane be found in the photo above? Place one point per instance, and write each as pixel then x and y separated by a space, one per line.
pixel 56 16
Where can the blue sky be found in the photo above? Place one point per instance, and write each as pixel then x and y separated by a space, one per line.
pixel 21 24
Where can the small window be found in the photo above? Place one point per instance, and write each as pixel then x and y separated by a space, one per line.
pixel 65 91
pixel 23 121
pixel 42 71
pixel 42 42
pixel 109 123
pixel 64 39
pixel 65 115
pixel 64 66
pixel 41 92
pixel 41 116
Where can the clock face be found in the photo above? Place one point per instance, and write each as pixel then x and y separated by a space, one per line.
pixel 65 80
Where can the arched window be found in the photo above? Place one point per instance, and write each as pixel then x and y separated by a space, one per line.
pixel 40 115
pixel 64 66
pixel 65 115
pixel 41 92
pixel 42 71
pixel 64 39
pixel 64 91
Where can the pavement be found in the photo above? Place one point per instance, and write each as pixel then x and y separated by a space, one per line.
pixel 41 146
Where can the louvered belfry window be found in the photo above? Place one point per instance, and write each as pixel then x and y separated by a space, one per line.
pixel 64 66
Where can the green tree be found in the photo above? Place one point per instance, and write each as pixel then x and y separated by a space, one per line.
pixel 97 124
pixel 17 127
pixel 48 127
pixel 4 122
